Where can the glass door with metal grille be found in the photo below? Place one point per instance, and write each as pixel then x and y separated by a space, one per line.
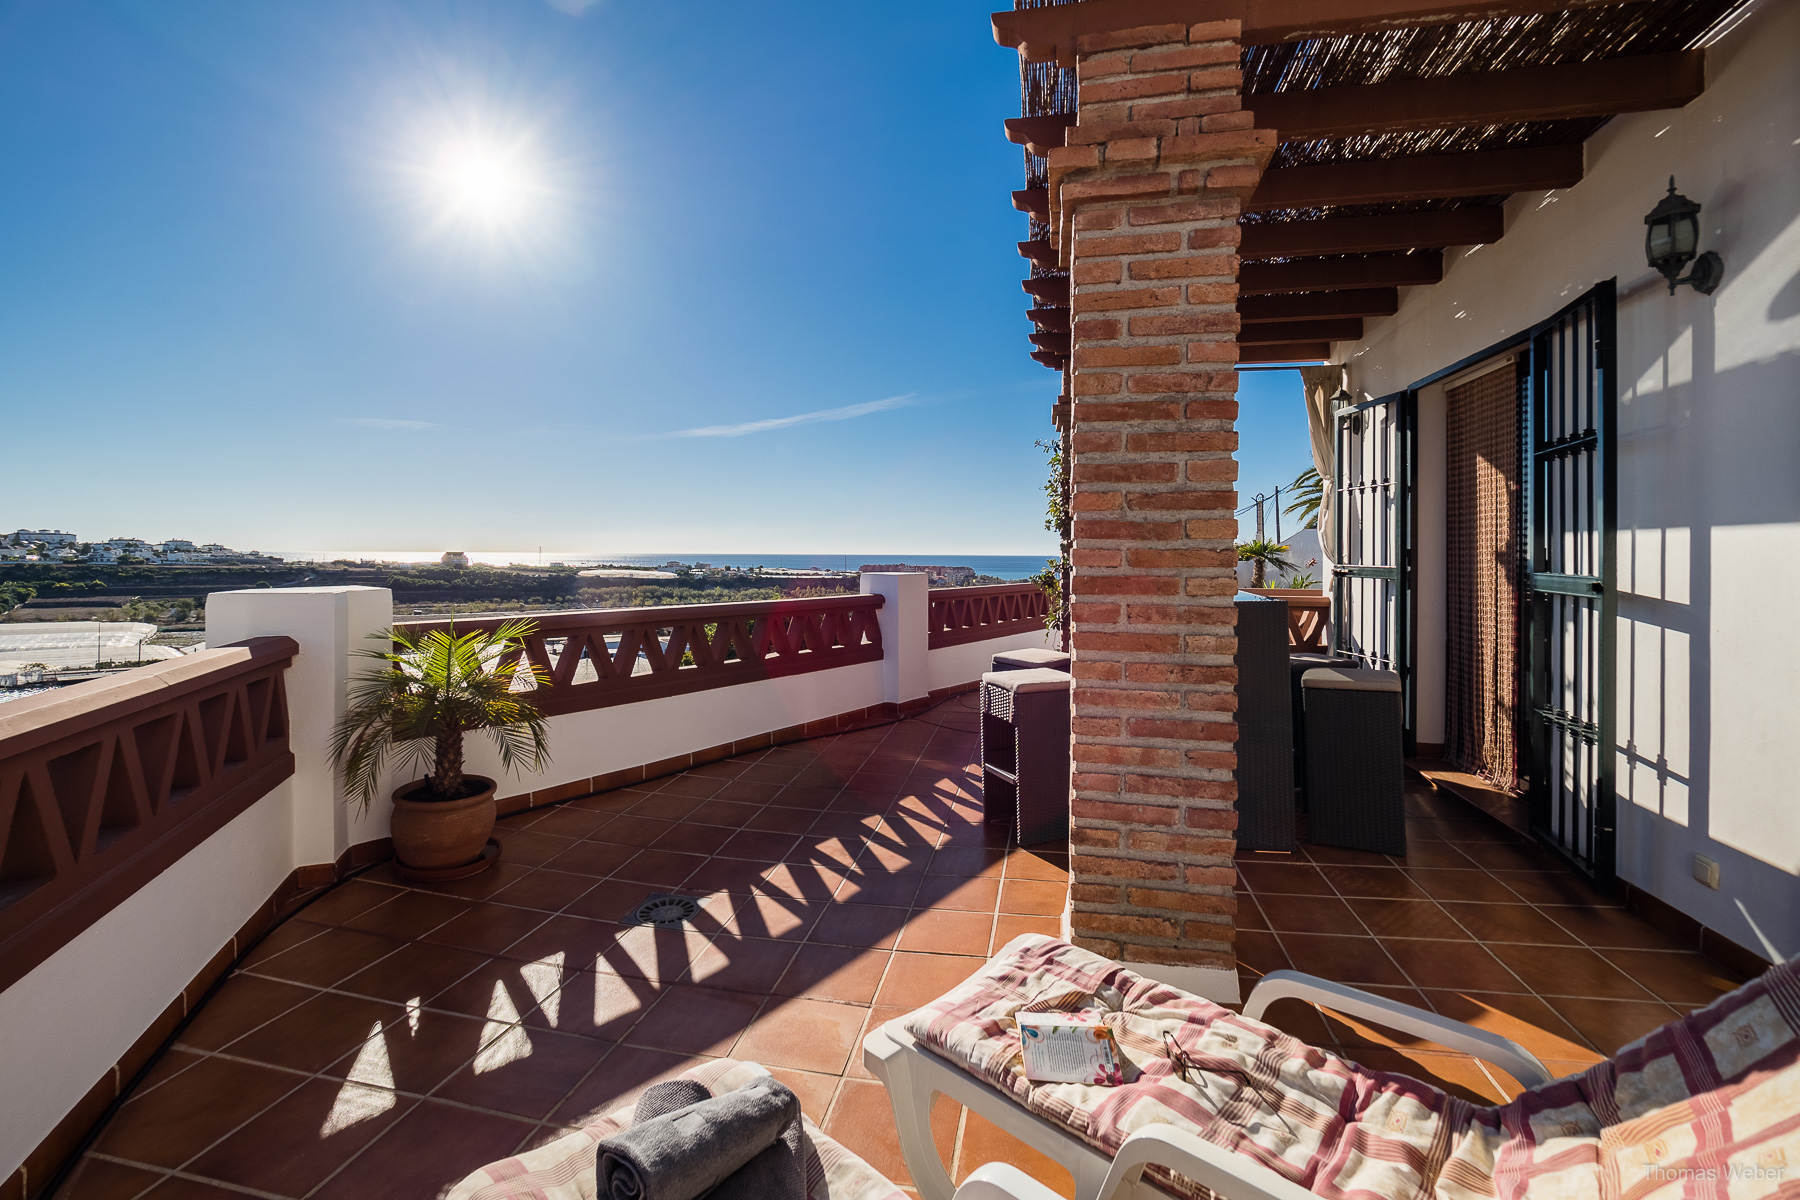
pixel 1570 519
pixel 1373 517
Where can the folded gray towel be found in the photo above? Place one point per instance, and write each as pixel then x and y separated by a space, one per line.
pixel 662 1098
pixel 686 1153
pixel 778 1173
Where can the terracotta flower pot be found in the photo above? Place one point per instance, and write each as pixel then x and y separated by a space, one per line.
pixel 439 835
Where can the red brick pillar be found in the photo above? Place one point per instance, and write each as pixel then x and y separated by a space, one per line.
pixel 1144 204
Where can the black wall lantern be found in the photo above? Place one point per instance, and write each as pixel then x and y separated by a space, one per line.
pixel 1671 238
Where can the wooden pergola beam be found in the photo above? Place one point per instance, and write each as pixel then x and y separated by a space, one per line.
pixel 1341 329
pixel 1050 32
pixel 1421 177
pixel 1639 83
pixel 1352 302
pixel 1042 251
pixel 1048 290
pixel 1280 352
pixel 1372 235
pixel 1311 275
pixel 1053 319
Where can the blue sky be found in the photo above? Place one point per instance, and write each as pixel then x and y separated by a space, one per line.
pixel 746 280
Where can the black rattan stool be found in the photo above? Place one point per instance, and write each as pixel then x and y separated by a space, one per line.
pixel 1265 725
pixel 1025 752
pixel 1355 769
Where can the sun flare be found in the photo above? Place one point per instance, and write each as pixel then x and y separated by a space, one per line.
pixel 484 183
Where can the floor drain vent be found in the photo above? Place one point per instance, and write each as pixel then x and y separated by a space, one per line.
pixel 667 912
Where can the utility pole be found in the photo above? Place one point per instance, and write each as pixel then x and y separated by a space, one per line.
pixel 1259 516
pixel 1278 514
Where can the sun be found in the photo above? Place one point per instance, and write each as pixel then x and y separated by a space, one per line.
pixel 485 183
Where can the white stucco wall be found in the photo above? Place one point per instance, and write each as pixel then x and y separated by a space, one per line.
pixel 64 1025
pixel 1709 462
pixel 953 666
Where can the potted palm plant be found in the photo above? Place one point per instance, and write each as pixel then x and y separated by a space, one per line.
pixel 1262 555
pixel 429 691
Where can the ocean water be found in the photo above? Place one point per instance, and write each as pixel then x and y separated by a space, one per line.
pixel 1001 566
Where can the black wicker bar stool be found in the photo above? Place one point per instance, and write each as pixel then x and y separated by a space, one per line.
pixel 1355 770
pixel 1265 729
pixel 1025 752
pixel 1030 657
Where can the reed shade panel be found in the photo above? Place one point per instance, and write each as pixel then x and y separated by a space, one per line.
pixel 602 657
pixel 1483 576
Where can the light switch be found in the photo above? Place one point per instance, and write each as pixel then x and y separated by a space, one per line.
pixel 1706 870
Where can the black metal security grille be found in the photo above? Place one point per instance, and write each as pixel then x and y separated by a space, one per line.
pixel 1570 520
pixel 1369 580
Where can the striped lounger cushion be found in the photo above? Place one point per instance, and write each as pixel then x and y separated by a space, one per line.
pixel 1707 1106
pixel 565 1169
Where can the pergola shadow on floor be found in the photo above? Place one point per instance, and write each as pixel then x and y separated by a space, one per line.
pixel 389 1039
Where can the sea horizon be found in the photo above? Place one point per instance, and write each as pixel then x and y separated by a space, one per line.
pixel 1000 566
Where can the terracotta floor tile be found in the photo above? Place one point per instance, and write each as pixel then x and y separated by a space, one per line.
pixel 482 886
pixel 1527 1020
pixel 814 1089
pixel 176 1188
pixel 1390 882
pixel 1462 965
pixel 777 918
pixel 1512 856
pixel 322 961
pixel 295 1144
pixel 1490 923
pixel 1344 857
pixel 547 890
pixel 760 845
pixel 945 931
pixel 1043 866
pixel 612 900
pixel 694 838
pixel 282 938
pixel 529 848
pixel 1033 897
pixel 563 821
pixel 419 1058
pixel 1352 1033
pixel 97 1179
pixel 240 1005
pixel 889 890
pixel 1008 926
pixel 659 955
pixel 1611 928
pixel 1422 853
pixel 1309 914
pixel 617 801
pixel 695 1020
pixel 1358 960
pixel 661 870
pixel 1283 878
pixel 190 1112
pixel 409 915
pixel 431 1147
pixel 863 1122
pixel 413 972
pixel 524 984
pixel 742 964
pixel 487 928
pixel 317 1033
pixel 582 942
pixel 913 980
pixel 968 862
pixel 595 1004
pixel 985 1142
pixel 968 895
pixel 728 815
pixel 1461 884
pixel 1551 887
pixel 842 973
pixel 879 1015
pixel 1680 977
pixel 1611 1024
pixel 349 900
pixel 809 1035
pixel 526 1071
pixel 1405 918
pixel 1261 952
pixel 814 882
pixel 692 786
pixel 1568 971
pixel 637 830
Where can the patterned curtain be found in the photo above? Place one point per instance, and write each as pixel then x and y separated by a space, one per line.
pixel 1482 584
pixel 1321 384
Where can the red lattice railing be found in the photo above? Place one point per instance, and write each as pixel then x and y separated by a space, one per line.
pixel 977 614
pixel 603 657
pixel 104 785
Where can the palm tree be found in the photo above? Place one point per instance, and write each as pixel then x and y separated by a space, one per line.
pixel 1262 554
pixel 1308 490
pixel 430 691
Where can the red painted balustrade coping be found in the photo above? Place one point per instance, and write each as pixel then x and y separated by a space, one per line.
pixel 602 657
pixel 104 785
pixel 978 614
